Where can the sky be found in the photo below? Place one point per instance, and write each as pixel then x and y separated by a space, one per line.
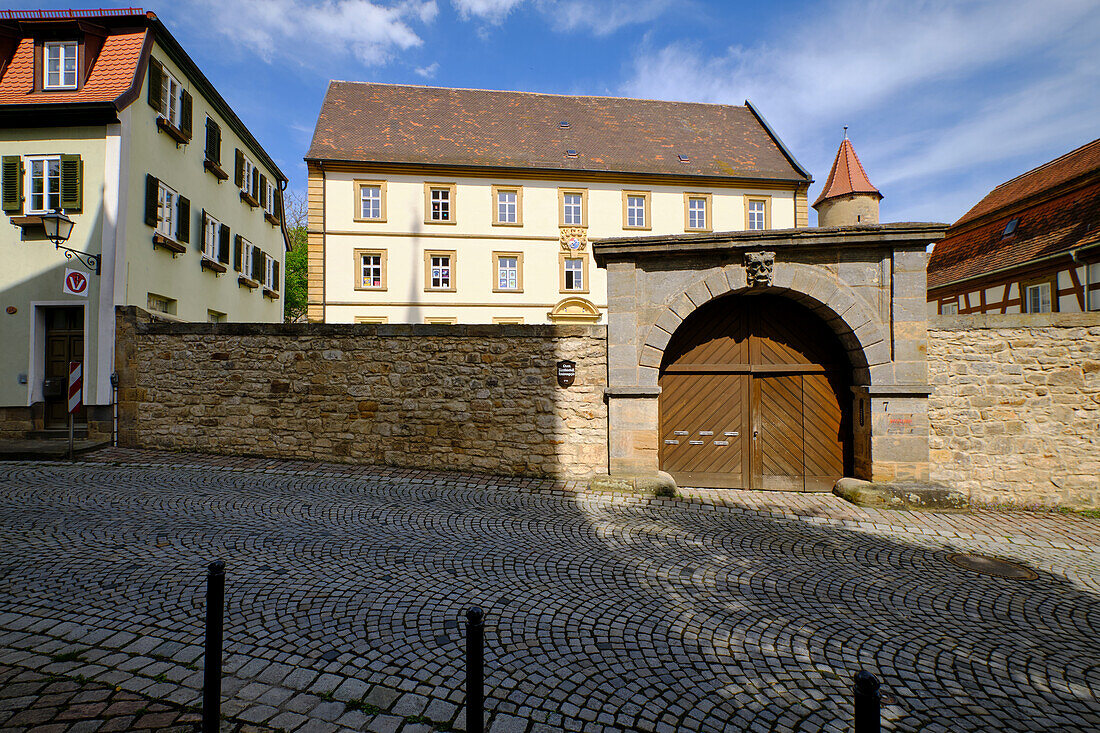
pixel 943 100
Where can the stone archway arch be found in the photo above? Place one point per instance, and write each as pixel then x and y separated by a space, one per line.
pixel 860 330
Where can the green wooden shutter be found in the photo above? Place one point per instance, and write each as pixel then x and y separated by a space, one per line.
pixel 278 203
pixel 238 254
pixel 185 114
pixel 152 194
pixel 156 74
pixel 223 245
pixel 238 169
pixel 12 184
pixel 217 144
pixel 201 239
pixel 255 191
pixel 262 192
pixel 257 264
pixel 183 219
pixel 213 141
pixel 72 182
pixel 275 275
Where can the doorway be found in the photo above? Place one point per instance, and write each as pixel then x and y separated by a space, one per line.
pixel 64 344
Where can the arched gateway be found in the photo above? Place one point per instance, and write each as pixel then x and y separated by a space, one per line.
pixel 777 359
pixel 755 393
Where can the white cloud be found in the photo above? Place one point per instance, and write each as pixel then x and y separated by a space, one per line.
pixel 313 31
pixel 599 18
pixel 494 11
pixel 428 71
pixel 930 87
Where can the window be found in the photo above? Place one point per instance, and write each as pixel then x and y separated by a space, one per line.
pixel 60 65
pixel 213 316
pixel 43 184
pixel 507 206
pixel 160 304
pixel 508 268
pixel 439 271
pixel 573 204
pixel 171 97
pixel 167 201
pixel 439 203
pixel 271 273
pixel 697 212
pixel 211 237
pixel 370 273
pixel 248 179
pixel 573 274
pixel 269 197
pixel 635 210
pixel 949 308
pixel 756 213
pixel 370 202
pixel 1010 228
pixel 1038 298
pixel 213 141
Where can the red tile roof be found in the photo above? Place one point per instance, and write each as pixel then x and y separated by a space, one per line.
pixel 111 76
pixel 1072 165
pixel 482 128
pixel 1052 227
pixel 846 176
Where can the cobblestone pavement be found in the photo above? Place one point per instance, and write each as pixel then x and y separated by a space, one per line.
pixel 722 611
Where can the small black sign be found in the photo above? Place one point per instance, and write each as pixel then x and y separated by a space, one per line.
pixel 567 372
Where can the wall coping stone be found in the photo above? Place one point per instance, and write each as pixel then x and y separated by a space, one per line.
pixel 1013 320
pixel 633 391
pixel 382 330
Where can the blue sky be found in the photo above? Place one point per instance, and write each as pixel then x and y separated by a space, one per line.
pixel 944 100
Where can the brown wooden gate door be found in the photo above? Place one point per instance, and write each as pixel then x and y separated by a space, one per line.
pixel 751 392
pixel 64 343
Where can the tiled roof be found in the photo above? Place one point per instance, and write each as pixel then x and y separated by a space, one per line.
pixel 470 127
pixel 1073 164
pixel 846 176
pixel 1069 221
pixel 112 74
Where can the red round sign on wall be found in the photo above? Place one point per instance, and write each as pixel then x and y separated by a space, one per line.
pixel 76 283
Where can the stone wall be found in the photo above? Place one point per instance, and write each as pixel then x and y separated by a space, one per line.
pixel 473 398
pixel 1015 409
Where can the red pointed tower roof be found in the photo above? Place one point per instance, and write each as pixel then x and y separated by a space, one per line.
pixel 847 175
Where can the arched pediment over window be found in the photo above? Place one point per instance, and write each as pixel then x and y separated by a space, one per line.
pixel 574 311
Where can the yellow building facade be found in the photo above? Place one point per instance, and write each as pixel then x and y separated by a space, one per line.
pixel 478 223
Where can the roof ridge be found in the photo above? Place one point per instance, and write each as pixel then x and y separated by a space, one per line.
pixel 539 94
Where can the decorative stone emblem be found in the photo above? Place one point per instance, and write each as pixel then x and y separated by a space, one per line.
pixel 573 239
pixel 758 268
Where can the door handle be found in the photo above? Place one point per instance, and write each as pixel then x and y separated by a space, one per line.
pixel 755 433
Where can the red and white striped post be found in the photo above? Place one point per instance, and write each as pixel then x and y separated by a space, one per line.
pixel 76 397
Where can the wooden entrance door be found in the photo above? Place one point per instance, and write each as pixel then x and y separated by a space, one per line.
pixel 751 397
pixel 64 343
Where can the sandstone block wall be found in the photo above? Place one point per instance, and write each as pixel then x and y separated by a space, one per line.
pixel 473 398
pixel 1015 407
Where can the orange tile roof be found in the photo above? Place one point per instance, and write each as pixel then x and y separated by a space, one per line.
pixel 846 176
pixel 1052 227
pixel 1074 164
pixel 112 74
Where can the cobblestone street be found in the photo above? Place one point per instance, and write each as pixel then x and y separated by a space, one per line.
pixel 346 586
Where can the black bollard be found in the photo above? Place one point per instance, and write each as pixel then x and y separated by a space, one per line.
pixel 212 662
pixel 868 697
pixel 475 671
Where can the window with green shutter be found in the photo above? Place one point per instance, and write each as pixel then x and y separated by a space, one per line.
pixel 72 182
pixel 213 141
pixel 152 199
pixel 11 183
pixel 183 222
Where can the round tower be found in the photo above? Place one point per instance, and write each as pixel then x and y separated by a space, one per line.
pixel 848 198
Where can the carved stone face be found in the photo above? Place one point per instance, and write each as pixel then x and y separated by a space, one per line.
pixel 758 268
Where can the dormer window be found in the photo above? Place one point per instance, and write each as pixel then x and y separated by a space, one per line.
pixel 59 68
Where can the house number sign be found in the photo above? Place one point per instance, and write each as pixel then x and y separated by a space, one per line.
pixel 567 372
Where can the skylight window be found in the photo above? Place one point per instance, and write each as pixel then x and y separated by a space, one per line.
pixel 1010 228
pixel 564 124
pixel 684 158
pixel 570 153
